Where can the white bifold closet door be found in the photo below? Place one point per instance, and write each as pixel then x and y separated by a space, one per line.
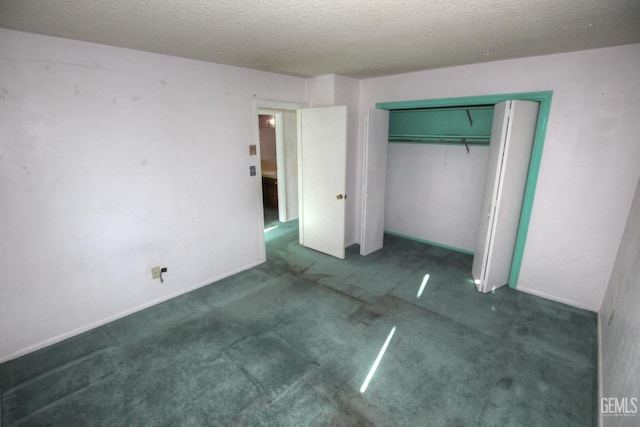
pixel 512 135
pixel 374 180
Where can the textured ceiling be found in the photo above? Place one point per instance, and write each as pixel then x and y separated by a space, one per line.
pixel 358 38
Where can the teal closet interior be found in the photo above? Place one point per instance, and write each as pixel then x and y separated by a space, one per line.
pixel 467 125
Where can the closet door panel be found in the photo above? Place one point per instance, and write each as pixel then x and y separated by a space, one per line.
pixel 494 164
pixel 507 171
pixel 515 170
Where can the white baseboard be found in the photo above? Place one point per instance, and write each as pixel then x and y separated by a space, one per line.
pixel 82 329
pixel 556 298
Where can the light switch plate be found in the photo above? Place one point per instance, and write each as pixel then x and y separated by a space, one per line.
pixel 252 150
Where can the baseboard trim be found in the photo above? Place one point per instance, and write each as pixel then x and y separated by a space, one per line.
pixel 566 301
pixel 82 329
pixel 429 242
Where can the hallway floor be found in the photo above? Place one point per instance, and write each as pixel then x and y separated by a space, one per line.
pixel 290 343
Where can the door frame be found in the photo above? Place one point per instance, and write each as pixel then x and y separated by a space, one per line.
pixel 258 104
pixel 544 98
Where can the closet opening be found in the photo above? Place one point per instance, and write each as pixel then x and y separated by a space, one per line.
pixel 439 150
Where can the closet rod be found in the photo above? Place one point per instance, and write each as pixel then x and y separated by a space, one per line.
pixel 441 141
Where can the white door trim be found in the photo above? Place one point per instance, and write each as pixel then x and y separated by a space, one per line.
pixel 257 104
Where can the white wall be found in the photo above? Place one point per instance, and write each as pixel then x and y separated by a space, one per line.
pixel 321 91
pixel 590 163
pixel 113 161
pixel 434 192
pixel 620 321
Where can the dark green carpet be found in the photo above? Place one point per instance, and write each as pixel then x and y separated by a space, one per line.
pixel 289 343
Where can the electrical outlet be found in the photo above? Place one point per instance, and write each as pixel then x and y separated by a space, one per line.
pixel 155 272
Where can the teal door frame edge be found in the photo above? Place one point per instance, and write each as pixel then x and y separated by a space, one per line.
pixel 544 98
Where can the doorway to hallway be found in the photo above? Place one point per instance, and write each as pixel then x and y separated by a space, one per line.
pixel 269 167
pixel 277 169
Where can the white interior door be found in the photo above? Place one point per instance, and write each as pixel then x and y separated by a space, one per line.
pixel 374 182
pixel 510 148
pixel 322 158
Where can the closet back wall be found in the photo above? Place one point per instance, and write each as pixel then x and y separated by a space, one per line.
pixel 434 192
